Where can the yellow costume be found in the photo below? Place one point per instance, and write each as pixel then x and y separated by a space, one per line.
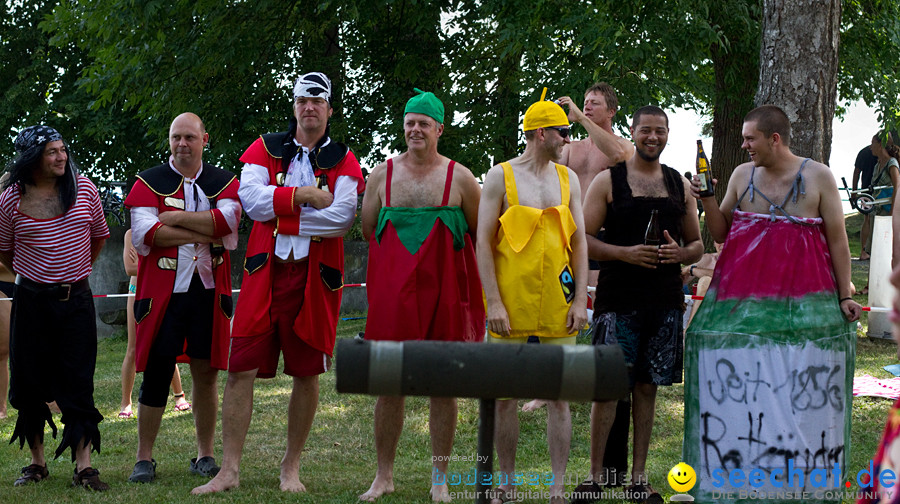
pixel 532 254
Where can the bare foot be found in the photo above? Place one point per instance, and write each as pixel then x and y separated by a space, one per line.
pixel 222 482
pixel 379 487
pixel 290 478
pixel 533 405
pixel 291 485
pixel 557 495
pixel 440 493
pixel 502 495
pixel 3 413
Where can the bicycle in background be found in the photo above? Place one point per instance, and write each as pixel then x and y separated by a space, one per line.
pixel 112 199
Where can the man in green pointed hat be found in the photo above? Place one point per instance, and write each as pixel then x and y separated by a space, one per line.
pixel 419 215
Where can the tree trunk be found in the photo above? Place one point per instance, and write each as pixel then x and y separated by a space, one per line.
pixel 798 69
pixel 508 99
pixel 736 76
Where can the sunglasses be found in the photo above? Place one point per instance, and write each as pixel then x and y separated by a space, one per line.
pixel 563 130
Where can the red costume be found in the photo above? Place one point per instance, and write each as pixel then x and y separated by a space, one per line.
pixel 162 188
pixel 316 324
pixel 422 282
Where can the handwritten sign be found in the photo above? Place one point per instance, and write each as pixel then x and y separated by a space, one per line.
pixel 762 407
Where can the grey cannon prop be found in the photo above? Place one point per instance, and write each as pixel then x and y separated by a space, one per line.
pixel 486 372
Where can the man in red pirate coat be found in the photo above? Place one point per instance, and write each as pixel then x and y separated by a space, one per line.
pixel 184 215
pixel 300 188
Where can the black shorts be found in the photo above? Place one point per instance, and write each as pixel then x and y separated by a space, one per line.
pixel 53 351
pixel 188 318
pixel 651 339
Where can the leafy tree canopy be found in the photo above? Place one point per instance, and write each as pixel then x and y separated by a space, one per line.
pixel 111 74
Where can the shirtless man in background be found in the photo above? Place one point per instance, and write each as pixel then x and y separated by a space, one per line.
pixel 602 148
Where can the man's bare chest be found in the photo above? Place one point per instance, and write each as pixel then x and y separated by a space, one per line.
pixel 538 192
pixel 418 191
pixel 40 205
pixel 586 157
pixel 647 187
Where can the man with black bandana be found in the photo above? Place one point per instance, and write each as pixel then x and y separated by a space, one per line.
pixel 182 213
pixel 51 230
pixel 300 188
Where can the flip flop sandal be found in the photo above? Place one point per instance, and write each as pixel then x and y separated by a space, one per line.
pixel 185 406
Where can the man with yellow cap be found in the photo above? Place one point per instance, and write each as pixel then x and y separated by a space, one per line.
pixel 419 214
pixel 532 255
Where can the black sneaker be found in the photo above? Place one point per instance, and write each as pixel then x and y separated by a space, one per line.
pixel 144 471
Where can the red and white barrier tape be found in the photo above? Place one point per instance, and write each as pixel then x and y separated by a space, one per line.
pixel 879 309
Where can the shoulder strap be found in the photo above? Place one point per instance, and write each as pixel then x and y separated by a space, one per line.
pixel 798 187
pixel 509 179
pixel 563 173
pixel 446 198
pixel 748 189
pixel 876 178
pixel 387 182
pixel 675 187
pixel 621 191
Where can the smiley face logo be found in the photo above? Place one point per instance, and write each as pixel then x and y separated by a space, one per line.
pixel 682 477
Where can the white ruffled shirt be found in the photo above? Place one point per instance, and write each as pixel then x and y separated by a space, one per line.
pixel 257 197
pixel 193 256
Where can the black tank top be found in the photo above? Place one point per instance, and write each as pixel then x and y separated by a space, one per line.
pixel 623 286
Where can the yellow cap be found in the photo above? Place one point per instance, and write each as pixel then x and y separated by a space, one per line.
pixel 543 114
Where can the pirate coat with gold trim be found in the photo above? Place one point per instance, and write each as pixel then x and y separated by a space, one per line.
pixel 162 188
pixel 316 324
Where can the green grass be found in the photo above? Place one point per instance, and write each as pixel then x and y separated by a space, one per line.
pixel 339 460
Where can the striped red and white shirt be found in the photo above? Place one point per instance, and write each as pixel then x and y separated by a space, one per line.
pixel 57 249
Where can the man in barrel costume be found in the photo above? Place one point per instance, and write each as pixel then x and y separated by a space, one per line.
pixel 770 353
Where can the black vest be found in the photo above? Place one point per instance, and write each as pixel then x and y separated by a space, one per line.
pixel 622 286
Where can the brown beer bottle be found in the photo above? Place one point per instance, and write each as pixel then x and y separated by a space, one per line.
pixel 703 172
pixel 653 236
